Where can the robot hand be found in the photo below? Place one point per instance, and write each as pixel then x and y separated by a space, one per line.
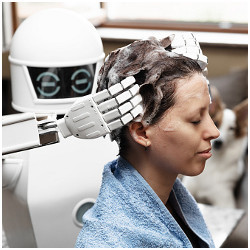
pixel 98 114
pixel 187 45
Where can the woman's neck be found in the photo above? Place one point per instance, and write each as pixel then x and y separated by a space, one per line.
pixel 160 180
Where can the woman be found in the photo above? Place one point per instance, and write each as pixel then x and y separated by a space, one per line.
pixel 142 203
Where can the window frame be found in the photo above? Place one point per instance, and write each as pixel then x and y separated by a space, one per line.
pixel 178 25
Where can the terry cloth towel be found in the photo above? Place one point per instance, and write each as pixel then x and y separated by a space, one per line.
pixel 128 213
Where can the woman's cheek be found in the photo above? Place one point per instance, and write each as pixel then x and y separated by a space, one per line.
pixel 170 122
pixel 170 126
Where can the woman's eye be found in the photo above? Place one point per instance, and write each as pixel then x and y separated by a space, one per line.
pixel 196 122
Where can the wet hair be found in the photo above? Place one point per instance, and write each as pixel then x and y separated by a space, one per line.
pixel 155 68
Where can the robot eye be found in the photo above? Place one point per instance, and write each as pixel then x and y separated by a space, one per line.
pixel 47 84
pixel 81 81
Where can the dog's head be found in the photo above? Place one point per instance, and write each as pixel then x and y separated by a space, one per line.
pixel 232 124
pixel 216 107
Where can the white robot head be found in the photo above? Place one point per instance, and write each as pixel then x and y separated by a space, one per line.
pixel 55 58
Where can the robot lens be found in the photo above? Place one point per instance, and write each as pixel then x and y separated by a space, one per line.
pixel 47 84
pixel 81 81
pixel 66 82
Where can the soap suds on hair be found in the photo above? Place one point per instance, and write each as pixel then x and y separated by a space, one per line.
pixel 130 60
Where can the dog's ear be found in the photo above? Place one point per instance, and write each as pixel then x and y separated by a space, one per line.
pixel 216 107
pixel 241 112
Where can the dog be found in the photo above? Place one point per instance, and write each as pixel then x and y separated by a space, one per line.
pixel 216 185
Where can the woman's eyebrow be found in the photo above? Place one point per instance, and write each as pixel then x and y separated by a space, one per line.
pixel 198 109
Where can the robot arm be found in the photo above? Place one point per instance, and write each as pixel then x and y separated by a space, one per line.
pixel 26 131
pixel 89 117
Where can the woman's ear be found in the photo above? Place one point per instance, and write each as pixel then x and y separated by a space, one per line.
pixel 138 132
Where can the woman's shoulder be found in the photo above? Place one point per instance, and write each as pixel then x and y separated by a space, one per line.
pixel 125 235
pixel 96 235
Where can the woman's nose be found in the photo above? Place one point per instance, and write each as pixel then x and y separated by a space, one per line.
pixel 212 131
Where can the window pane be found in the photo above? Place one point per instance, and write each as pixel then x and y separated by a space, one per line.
pixel 215 11
pixel 90 9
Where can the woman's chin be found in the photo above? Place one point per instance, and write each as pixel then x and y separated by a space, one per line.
pixel 196 170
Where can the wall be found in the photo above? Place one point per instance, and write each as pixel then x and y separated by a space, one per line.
pixel 5 65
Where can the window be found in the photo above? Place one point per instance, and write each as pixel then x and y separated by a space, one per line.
pixel 90 9
pixel 195 15
pixel 200 15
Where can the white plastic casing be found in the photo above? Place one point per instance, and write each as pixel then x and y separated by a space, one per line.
pixel 51 38
pixel 11 169
pixel 19 132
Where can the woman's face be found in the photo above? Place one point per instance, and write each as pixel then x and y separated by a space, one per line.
pixel 181 140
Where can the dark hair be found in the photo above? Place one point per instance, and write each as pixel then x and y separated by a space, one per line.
pixel 155 69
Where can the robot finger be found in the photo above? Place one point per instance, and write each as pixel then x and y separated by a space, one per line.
pixel 193 56
pixel 102 95
pixel 180 50
pixel 108 105
pixel 136 111
pixel 123 109
pixel 111 115
pixel 202 58
pixel 187 50
pixel 188 35
pixel 178 42
pixel 107 93
pixel 185 41
pixel 125 96
pixel 136 100
pixel 120 99
pixel 193 50
pixel 127 81
pixel 191 42
pixel 120 122
pixel 113 90
pixel 128 117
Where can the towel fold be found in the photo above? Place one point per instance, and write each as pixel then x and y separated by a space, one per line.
pixel 128 213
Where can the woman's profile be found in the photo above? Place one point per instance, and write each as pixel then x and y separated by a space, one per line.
pixel 142 203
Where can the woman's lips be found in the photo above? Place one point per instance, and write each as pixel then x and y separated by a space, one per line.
pixel 206 154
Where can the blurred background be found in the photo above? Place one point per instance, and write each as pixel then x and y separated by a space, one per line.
pixel 220 26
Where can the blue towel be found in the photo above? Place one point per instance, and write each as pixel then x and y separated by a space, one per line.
pixel 128 213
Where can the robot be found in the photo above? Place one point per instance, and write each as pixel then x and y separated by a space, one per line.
pixel 55 57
